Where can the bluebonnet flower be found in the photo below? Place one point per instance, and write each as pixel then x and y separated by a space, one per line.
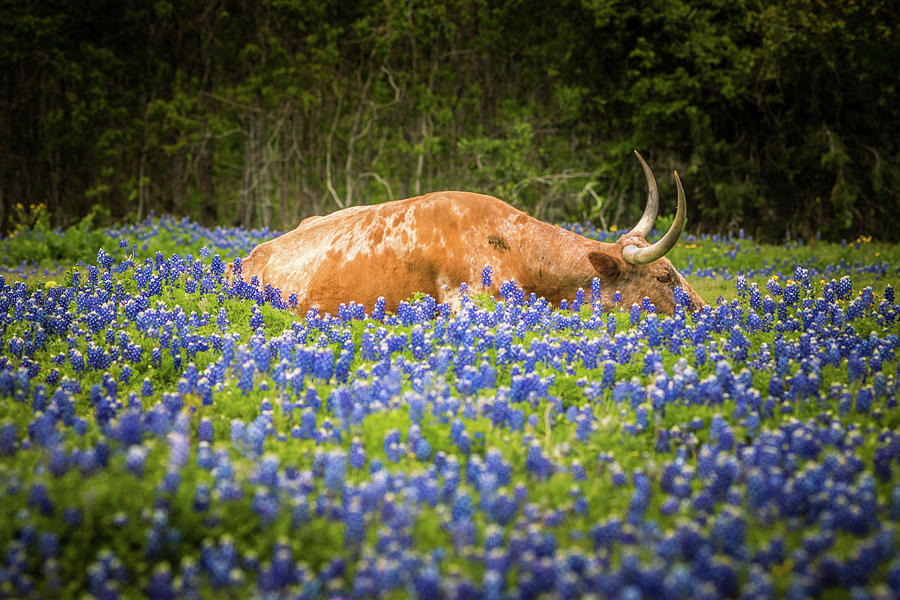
pixel 205 458
pixel 856 367
pixel 260 353
pixel 267 470
pixel 618 475
pixel 222 321
pixel 536 461
pixel 642 416
pixel 335 470
pixel 462 507
pixel 254 438
pixel 256 317
pixel 324 364
pixel 354 522
pixel 357 454
pixel 422 449
pixel 378 311
pixel 739 344
pixel 161 585
pixel 76 359
pixel 486 276
pixel 635 314
pixel 39 497
pixel 791 293
pixel 245 380
pixel 579 300
pixel 584 427
pixel 308 425
pixel 844 288
pixel 596 292
pixel 265 504
pixel 104 259
pixel 205 430
pixel 171 481
pixel 43 430
pixel 864 398
pixel 681 297
pixel 134 459
pixel 652 331
pixel 8 439
pixel 202 497
pixel 392 445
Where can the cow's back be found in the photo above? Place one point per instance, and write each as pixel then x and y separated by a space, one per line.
pixel 425 244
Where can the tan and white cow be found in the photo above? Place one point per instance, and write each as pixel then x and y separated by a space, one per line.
pixel 435 242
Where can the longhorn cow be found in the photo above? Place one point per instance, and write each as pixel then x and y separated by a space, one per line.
pixel 434 243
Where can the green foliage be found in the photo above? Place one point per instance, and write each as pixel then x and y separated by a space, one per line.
pixel 779 115
pixel 33 240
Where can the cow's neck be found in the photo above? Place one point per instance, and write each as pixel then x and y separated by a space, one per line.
pixel 556 261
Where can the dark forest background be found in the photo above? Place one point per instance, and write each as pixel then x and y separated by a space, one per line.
pixel 780 115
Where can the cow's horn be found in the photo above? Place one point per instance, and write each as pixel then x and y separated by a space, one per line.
pixel 649 217
pixel 639 256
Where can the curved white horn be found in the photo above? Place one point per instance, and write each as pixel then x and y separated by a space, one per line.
pixel 649 217
pixel 639 256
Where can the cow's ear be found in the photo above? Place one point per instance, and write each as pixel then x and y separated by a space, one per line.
pixel 609 267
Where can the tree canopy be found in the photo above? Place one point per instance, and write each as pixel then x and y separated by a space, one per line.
pixel 780 115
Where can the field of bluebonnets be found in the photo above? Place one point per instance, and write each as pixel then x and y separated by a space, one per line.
pixel 165 434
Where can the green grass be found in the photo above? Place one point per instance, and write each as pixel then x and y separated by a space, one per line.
pixel 110 495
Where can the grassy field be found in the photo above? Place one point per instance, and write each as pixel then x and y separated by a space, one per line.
pixel 163 434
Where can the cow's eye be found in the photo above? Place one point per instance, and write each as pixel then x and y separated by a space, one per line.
pixel 664 278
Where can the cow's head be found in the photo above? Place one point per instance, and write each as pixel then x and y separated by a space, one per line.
pixel 638 269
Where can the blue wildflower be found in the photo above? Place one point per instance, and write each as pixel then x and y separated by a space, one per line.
pixel 422 449
pixel 486 276
pixel 134 459
pixel 8 439
pixel 335 470
pixel 357 455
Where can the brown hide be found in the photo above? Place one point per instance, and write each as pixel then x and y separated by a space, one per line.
pixel 435 242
